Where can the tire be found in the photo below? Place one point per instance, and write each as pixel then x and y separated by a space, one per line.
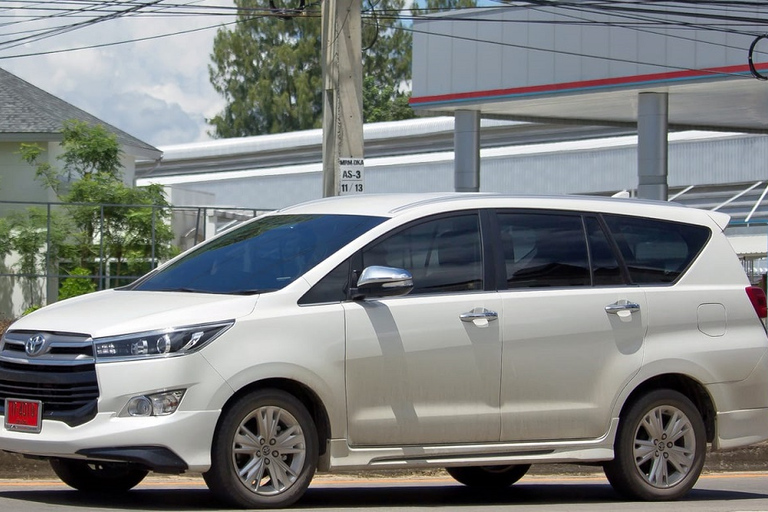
pixel 660 448
pixel 264 452
pixel 97 476
pixel 489 477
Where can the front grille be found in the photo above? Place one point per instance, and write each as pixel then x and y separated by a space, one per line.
pixel 62 376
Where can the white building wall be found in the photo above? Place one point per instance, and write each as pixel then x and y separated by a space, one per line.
pixel 520 46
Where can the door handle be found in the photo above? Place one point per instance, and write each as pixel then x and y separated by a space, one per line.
pixel 622 305
pixel 479 314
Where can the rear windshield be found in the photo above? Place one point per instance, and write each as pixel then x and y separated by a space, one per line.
pixel 260 256
pixel 656 251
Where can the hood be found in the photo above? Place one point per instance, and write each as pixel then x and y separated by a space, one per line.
pixel 114 312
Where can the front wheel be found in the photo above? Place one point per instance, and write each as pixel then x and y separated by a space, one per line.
pixel 97 476
pixel 489 477
pixel 264 452
pixel 660 448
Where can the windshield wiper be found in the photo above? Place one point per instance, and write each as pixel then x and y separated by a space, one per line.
pixel 245 291
pixel 184 289
pixel 253 291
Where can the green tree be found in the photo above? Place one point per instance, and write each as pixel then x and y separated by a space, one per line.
pixel 268 68
pixel 431 6
pixel 113 222
pixel 26 233
pixel 384 102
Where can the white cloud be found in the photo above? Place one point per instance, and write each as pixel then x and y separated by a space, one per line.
pixel 156 90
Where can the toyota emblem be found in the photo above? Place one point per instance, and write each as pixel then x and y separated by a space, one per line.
pixel 35 345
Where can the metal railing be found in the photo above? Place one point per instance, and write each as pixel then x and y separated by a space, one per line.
pixel 190 225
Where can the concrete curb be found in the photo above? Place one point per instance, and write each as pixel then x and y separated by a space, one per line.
pixel 753 458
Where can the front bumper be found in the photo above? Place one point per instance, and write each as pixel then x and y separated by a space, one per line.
pixel 172 443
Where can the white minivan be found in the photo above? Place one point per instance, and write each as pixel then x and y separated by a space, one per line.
pixel 475 332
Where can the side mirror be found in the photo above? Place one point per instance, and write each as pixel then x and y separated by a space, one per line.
pixel 376 281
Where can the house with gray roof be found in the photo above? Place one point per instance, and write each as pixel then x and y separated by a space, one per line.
pixel 29 115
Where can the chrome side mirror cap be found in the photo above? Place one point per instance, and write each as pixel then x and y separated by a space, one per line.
pixel 377 281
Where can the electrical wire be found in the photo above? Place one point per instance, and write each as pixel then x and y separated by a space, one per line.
pixel 376 27
pixel 639 15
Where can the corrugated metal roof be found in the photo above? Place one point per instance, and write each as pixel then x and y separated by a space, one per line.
pixel 753 246
pixel 390 139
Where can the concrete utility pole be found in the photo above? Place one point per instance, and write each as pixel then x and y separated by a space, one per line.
pixel 343 159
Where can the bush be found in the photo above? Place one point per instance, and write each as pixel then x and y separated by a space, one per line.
pixel 79 284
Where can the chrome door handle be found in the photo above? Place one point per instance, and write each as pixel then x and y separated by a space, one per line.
pixel 479 314
pixel 622 305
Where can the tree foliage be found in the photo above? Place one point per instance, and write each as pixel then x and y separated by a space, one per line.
pixel 79 283
pixel 103 221
pixel 431 6
pixel 384 102
pixel 268 68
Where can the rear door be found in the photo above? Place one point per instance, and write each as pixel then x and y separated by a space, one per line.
pixel 572 331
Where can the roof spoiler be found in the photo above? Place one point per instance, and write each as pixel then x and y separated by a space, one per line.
pixel 721 219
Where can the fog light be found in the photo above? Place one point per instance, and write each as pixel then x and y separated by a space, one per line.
pixel 164 404
pixel 139 406
pixel 156 404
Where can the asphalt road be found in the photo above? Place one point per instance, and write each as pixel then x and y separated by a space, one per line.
pixel 726 492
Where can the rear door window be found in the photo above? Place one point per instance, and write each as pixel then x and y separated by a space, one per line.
pixel 606 270
pixel 544 250
pixel 656 251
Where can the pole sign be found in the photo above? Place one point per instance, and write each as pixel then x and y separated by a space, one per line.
pixel 352 173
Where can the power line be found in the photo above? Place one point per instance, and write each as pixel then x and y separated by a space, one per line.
pixel 642 15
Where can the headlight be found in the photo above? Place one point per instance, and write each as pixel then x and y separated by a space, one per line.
pixel 164 343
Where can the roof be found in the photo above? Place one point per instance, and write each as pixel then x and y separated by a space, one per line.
pixel 753 246
pixel 28 110
pixel 393 205
pixel 560 63
pixel 393 138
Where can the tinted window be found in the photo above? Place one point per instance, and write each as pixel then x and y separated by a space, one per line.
pixel 332 288
pixel 605 267
pixel 656 251
pixel 263 255
pixel 543 250
pixel 444 255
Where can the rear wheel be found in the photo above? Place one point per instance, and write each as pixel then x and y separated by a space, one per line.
pixel 264 452
pixel 495 477
pixel 97 476
pixel 660 448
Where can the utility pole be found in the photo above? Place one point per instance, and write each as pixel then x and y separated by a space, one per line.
pixel 343 159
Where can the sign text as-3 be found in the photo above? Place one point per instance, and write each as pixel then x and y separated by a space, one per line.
pixel 352 174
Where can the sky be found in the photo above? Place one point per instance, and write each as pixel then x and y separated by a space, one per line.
pixel 157 90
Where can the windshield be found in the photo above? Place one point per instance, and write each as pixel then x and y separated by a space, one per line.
pixel 260 256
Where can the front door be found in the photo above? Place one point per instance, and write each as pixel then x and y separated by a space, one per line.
pixel 426 368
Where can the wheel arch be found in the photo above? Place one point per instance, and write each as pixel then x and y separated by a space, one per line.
pixel 301 392
pixel 684 384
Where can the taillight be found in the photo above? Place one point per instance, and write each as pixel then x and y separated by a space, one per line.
pixel 757 297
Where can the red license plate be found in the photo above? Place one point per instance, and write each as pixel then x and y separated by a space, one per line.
pixel 23 415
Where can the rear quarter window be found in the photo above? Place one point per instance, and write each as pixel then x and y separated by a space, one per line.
pixel 656 251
